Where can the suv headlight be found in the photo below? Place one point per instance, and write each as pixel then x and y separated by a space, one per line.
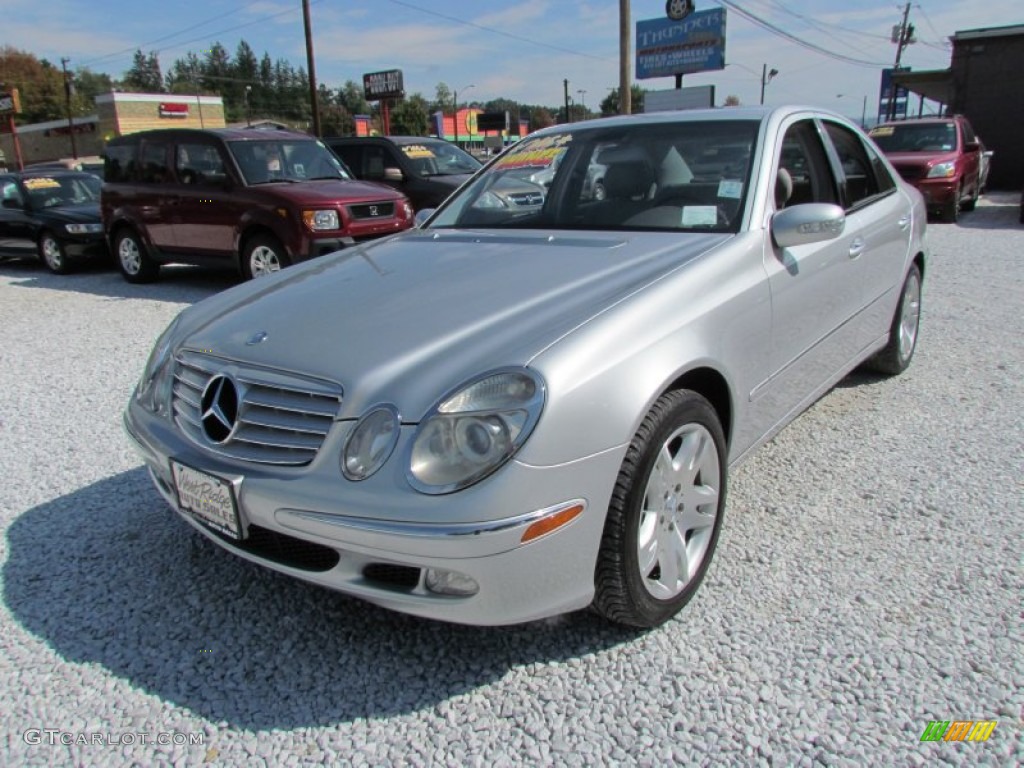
pixel 474 431
pixel 318 221
pixel 944 170
pixel 153 390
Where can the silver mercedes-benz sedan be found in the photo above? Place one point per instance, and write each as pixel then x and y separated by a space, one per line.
pixel 510 413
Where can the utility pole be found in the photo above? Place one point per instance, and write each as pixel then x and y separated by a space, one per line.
pixel 902 36
pixel 67 102
pixel 568 117
pixel 625 94
pixel 314 103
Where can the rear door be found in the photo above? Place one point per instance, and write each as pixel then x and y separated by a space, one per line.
pixel 152 198
pixel 880 220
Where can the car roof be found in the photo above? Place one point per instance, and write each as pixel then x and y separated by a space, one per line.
pixel 227 134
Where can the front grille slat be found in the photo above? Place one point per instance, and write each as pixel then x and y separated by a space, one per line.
pixel 282 419
pixel 372 210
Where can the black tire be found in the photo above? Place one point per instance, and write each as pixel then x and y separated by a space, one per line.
pixel 133 259
pixel 972 203
pixel 951 210
pixel 52 253
pixel 263 254
pixel 895 357
pixel 624 592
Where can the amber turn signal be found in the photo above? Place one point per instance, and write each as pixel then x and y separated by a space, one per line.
pixel 552 522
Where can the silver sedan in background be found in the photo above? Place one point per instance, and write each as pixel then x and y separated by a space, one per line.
pixel 508 414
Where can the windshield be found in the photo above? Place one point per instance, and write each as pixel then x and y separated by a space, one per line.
pixel 53 191
pixel 439 158
pixel 660 176
pixel 286 160
pixel 915 137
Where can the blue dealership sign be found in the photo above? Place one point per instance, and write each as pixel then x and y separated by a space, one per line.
pixel 695 44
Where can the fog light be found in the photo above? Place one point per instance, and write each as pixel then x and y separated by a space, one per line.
pixel 451 583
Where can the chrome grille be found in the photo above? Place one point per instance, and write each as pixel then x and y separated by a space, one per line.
pixel 282 419
pixel 527 198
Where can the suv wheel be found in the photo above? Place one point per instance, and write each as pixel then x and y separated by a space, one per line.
pixel 263 255
pixel 132 258
pixel 951 210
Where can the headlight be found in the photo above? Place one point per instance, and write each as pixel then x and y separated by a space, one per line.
pixel 370 443
pixel 321 220
pixel 489 200
pixel 84 229
pixel 153 390
pixel 476 430
pixel 942 170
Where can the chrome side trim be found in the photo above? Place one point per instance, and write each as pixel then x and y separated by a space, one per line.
pixel 434 530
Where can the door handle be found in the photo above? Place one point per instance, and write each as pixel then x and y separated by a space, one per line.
pixel 904 222
pixel 856 248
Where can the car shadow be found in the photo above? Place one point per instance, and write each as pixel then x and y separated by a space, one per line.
pixel 109 575
pixel 177 283
pixel 995 210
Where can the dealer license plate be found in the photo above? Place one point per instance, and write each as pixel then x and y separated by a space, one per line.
pixel 207 498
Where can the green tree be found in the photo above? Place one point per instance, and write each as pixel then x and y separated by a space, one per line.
pixel 144 74
pixel 442 98
pixel 352 98
pixel 39 83
pixel 610 103
pixel 410 117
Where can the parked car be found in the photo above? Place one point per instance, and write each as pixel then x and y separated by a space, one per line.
pixel 426 170
pixel 257 199
pixel 52 214
pixel 941 156
pixel 510 414
pixel 90 164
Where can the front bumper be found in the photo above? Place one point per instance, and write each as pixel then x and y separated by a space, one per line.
pixel 85 246
pixel 379 539
pixel 938 192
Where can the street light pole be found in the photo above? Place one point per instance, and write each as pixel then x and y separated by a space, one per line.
pixel 583 101
pixel 67 101
pixel 766 77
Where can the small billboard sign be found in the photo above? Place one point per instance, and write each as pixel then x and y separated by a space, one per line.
pixel 696 44
pixel 383 85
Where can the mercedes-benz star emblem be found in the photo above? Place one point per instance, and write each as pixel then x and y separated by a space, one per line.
pixel 219 409
pixel 257 337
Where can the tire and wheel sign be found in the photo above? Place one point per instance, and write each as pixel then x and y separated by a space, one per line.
pixel 677 10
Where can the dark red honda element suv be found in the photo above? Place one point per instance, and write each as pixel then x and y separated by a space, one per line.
pixel 258 199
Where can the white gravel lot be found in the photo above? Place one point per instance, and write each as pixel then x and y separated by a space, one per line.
pixel 869 578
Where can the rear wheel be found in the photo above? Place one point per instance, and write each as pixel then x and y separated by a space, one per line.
pixel 896 355
pixel 665 514
pixel 133 259
pixel 263 255
pixel 51 253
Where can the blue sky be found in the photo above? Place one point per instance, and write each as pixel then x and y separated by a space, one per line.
pixel 520 50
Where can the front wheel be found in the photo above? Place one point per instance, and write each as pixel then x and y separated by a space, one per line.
pixel 263 255
pixel 897 354
pixel 665 514
pixel 52 254
pixel 951 210
pixel 132 258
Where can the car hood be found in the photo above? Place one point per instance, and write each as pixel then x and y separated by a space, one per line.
pixel 407 319
pixel 919 159
pixel 328 191
pixel 452 180
pixel 82 213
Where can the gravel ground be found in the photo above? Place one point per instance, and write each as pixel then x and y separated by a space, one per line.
pixel 869 578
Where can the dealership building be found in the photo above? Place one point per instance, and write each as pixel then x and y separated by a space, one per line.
pixel 116 114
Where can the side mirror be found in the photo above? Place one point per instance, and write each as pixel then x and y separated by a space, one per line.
pixel 807 223
pixel 421 216
pixel 393 174
pixel 972 146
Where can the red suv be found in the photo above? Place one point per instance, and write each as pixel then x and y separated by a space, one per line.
pixel 941 156
pixel 258 199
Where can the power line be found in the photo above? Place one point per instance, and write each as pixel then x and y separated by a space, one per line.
pixel 768 26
